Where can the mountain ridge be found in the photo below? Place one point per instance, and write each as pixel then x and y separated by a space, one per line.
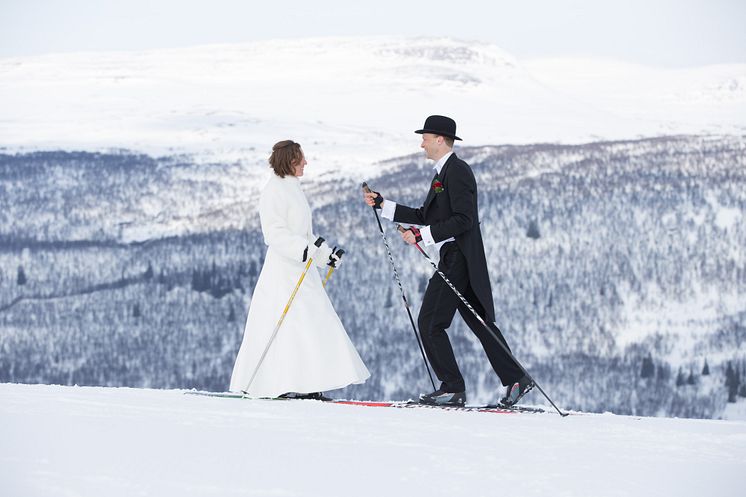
pixel 352 102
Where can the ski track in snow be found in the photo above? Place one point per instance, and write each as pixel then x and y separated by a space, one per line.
pixel 94 441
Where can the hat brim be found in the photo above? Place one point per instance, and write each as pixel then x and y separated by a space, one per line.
pixel 437 132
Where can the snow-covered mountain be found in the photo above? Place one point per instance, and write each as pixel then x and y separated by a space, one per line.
pixel 351 102
pixel 89 442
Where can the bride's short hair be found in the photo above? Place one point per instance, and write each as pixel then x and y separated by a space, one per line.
pixel 286 154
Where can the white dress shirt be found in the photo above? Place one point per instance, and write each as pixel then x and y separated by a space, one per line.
pixel 389 208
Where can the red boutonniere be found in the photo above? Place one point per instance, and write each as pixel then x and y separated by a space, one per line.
pixel 437 186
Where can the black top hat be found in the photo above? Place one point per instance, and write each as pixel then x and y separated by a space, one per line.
pixel 440 125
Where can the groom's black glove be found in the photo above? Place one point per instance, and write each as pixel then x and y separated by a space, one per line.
pixel 377 200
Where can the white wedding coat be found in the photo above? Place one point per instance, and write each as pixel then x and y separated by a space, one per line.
pixel 311 351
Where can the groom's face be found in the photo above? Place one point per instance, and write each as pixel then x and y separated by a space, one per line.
pixel 430 145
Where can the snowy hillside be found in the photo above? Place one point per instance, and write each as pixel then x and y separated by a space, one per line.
pixel 89 442
pixel 350 101
pixel 604 257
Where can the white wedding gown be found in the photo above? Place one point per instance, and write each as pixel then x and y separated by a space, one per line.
pixel 311 351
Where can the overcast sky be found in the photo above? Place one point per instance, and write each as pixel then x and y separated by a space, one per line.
pixel 671 33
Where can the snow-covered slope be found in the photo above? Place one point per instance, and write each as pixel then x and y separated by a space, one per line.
pixel 708 98
pixel 351 101
pixel 89 442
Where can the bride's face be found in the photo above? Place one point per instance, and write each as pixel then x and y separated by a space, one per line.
pixel 300 165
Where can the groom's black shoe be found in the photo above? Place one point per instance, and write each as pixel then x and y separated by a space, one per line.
pixel 442 398
pixel 516 390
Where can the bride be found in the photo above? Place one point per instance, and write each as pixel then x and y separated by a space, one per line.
pixel 311 352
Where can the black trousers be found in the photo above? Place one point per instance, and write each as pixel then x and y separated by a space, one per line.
pixel 439 305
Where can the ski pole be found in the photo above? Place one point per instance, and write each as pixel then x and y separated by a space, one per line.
pixel 479 318
pixel 366 189
pixel 282 317
pixel 328 275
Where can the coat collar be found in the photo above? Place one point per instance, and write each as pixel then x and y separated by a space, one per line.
pixel 444 168
pixel 438 166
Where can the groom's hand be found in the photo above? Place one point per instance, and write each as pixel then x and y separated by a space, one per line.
pixel 411 235
pixel 373 199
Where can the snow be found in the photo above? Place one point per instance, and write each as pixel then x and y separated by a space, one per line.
pixel 352 102
pixel 659 313
pixel 632 91
pixel 735 410
pixel 726 217
pixel 690 319
pixel 65 441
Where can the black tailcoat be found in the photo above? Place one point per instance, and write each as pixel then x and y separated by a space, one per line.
pixel 454 213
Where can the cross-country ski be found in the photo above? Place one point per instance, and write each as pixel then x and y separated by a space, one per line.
pixel 401 404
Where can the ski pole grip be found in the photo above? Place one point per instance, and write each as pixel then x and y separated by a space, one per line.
pixel 319 241
pixel 401 228
pixel 378 199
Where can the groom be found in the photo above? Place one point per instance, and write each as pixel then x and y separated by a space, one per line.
pixel 449 220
